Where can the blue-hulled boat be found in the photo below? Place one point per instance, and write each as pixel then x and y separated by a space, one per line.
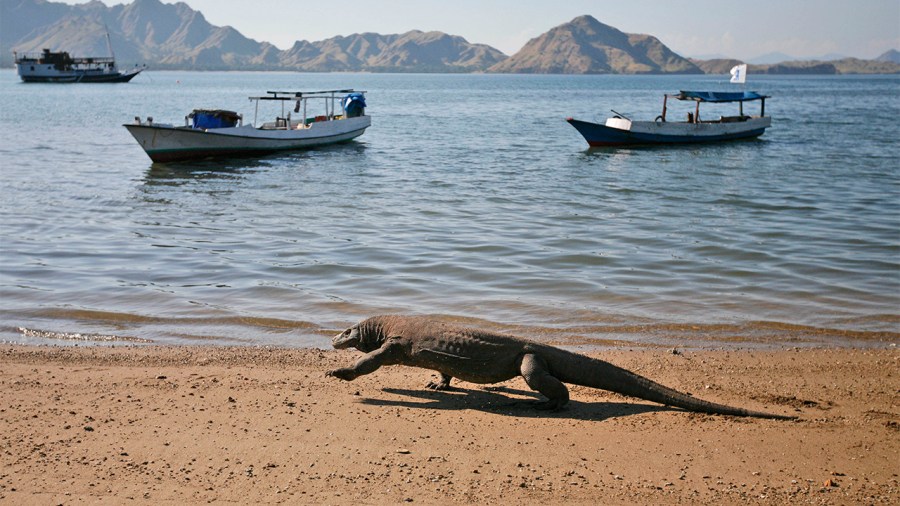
pixel 622 131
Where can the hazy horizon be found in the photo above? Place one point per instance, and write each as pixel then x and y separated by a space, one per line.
pixel 800 29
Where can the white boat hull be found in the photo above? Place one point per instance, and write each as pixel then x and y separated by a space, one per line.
pixel 48 74
pixel 166 143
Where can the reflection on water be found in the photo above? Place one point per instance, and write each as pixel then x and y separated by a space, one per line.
pixel 225 167
pixel 168 174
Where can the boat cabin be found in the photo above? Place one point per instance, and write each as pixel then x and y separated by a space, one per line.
pixel 63 62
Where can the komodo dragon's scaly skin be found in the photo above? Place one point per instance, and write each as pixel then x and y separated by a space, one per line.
pixel 486 357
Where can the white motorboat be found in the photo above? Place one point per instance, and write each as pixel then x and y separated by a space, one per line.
pixel 216 133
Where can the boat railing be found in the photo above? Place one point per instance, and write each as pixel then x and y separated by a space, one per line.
pixel 22 57
pixel 93 60
pixel 84 60
pixel 301 98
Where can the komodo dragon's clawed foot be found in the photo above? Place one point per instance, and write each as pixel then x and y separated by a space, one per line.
pixel 441 384
pixel 344 374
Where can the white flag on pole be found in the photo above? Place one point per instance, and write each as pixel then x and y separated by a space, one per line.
pixel 739 73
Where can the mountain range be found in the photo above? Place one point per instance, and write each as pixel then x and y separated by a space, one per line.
pixel 174 36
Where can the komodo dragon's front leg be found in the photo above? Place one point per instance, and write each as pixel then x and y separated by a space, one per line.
pixel 534 370
pixel 391 353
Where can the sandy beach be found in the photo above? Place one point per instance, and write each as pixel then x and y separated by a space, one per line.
pixel 178 425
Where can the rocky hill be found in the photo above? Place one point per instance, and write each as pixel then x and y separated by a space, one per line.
pixel 858 66
pixel 587 46
pixel 412 51
pixel 716 65
pixel 842 66
pixel 892 56
pixel 144 31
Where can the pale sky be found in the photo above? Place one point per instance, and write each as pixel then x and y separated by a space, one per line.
pixel 733 28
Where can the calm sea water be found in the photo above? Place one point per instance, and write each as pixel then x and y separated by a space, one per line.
pixel 470 198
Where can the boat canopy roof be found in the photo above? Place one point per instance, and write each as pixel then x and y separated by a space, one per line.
pixel 719 96
pixel 297 95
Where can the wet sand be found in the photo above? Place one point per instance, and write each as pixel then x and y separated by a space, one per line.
pixel 177 425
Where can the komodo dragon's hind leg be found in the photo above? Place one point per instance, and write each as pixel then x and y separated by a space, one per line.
pixel 441 384
pixel 535 372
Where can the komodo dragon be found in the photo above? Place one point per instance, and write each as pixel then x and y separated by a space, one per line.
pixel 478 356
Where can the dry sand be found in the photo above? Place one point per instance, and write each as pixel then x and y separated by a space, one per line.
pixel 172 425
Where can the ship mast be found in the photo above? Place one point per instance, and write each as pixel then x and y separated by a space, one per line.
pixel 109 43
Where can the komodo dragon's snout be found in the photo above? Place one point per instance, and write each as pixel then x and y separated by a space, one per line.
pixel 479 356
pixel 346 339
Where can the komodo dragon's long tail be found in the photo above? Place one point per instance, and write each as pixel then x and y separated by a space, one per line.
pixel 589 372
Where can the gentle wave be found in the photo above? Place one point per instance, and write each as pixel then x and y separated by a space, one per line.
pixel 609 333
pixel 76 336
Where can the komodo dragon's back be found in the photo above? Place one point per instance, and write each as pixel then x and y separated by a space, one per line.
pixel 487 357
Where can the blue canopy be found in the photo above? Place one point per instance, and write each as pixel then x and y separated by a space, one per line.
pixel 719 96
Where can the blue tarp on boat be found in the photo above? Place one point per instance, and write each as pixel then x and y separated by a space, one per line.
pixel 218 118
pixel 354 104
pixel 719 96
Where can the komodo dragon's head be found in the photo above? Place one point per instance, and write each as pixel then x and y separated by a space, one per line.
pixel 365 336
pixel 369 334
pixel 347 339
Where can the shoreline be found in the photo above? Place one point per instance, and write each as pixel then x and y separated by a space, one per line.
pixel 584 337
pixel 168 424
